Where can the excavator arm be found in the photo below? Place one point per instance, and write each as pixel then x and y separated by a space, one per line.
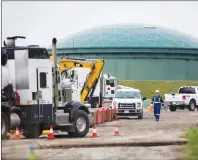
pixel 67 63
pixel 92 79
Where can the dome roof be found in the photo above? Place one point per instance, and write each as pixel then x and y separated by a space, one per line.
pixel 133 35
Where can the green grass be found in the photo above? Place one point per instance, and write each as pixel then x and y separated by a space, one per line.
pixel 192 146
pixel 148 87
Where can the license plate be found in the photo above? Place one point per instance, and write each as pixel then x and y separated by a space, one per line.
pixel 126 111
pixel 174 103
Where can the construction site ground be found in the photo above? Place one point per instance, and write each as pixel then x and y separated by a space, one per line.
pixel 147 131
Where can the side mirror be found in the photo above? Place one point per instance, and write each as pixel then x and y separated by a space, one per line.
pixel 143 98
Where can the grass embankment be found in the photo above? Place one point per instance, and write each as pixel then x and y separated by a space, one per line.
pixel 192 146
pixel 148 87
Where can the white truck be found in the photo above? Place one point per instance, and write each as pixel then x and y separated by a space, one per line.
pixel 31 101
pixel 129 102
pixel 187 97
pixel 104 89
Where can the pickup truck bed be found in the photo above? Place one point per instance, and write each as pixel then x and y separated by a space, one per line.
pixel 187 97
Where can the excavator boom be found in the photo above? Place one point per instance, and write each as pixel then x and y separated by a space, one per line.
pixel 92 79
pixel 66 64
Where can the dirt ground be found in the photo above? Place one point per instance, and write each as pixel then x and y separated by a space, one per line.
pixel 171 125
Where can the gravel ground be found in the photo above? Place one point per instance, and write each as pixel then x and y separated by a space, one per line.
pixel 171 125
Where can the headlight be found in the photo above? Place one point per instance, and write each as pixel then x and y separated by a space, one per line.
pixel 139 105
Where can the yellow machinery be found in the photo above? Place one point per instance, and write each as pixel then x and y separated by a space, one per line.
pixel 92 79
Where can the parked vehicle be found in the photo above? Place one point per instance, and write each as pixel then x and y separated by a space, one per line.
pixel 187 97
pixel 128 102
pixel 31 101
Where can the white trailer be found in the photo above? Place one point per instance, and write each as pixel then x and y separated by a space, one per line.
pixel 36 105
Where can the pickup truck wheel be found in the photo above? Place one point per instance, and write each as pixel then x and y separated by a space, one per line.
pixel 173 108
pixel 4 125
pixel 140 116
pixel 81 125
pixel 192 105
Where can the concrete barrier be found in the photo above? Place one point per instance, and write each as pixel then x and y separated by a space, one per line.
pixel 143 142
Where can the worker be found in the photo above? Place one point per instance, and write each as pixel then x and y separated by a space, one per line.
pixel 157 102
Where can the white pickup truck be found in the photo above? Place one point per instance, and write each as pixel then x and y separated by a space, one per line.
pixel 128 102
pixel 186 97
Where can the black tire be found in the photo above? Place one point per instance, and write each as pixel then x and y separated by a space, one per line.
pixel 192 105
pixel 80 114
pixel 173 108
pixel 140 116
pixel 4 125
pixel 33 131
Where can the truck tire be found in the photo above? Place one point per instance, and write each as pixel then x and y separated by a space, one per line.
pixel 173 108
pixel 192 105
pixel 81 125
pixel 4 125
pixel 140 116
pixel 33 131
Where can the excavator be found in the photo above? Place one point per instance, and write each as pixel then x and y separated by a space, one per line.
pixel 92 79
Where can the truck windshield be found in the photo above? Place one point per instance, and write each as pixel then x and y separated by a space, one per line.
pixel 187 90
pixel 110 82
pixel 127 94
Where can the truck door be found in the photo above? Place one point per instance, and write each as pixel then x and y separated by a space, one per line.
pixel 43 88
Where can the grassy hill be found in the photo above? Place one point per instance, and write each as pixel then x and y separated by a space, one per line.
pixel 148 87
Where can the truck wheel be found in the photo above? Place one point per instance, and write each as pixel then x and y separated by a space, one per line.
pixel 173 108
pixel 192 105
pixel 33 131
pixel 140 116
pixel 4 125
pixel 81 125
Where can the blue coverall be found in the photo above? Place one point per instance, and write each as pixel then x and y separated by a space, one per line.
pixel 157 102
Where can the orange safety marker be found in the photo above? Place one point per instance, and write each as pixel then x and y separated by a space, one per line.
pixel 115 113
pixel 150 108
pixel 108 114
pixel 116 132
pixel 17 136
pixel 103 116
pixel 94 134
pixel 51 134
pixel 97 116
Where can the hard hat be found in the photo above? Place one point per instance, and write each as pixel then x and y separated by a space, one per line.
pixel 157 91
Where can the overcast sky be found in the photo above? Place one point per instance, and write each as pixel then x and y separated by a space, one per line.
pixel 41 21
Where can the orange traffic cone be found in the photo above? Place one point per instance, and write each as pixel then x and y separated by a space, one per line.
pixel 150 108
pixel 94 134
pixel 51 134
pixel 17 137
pixel 116 132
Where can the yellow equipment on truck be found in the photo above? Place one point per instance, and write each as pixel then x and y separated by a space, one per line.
pixel 93 77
